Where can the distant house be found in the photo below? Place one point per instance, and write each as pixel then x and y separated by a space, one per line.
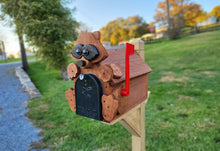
pixel 211 20
pixel 161 32
pixel 148 36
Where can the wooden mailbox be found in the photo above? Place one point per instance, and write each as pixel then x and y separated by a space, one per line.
pixel 104 88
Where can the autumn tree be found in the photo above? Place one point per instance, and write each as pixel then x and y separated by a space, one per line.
pixel 12 11
pixel 182 13
pixel 112 31
pixel 194 14
pixel 202 17
pixel 216 11
pixel 124 29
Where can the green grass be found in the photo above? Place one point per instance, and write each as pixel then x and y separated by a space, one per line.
pixel 181 114
pixel 18 59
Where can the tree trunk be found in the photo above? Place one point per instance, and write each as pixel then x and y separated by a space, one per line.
pixel 168 18
pixel 23 52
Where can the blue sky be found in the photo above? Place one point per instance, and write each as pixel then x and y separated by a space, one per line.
pixel 97 13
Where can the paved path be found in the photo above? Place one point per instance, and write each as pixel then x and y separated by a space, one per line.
pixel 16 132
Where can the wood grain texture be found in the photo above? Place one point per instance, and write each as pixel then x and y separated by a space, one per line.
pixel 138 89
pixel 116 71
pixel 119 117
pixel 109 67
pixel 109 107
pixel 123 104
pixel 107 88
pixel 93 39
pixel 138 93
pixel 138 142
pixel 70 95
pixel 73 70
pixel 93 69
pixel 97 35
pixel 117 91
pixel 137 65
pixel 105 73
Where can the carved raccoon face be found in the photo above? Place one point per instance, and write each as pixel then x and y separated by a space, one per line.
pixel 88 52
pixel 88 49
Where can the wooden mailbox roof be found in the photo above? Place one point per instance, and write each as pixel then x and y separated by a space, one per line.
pixel 137 65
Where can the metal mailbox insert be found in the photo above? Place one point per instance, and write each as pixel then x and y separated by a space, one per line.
pixel 88 96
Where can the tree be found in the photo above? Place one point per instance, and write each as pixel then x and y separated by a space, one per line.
pixel 216 11
pixel 124 29
pixel 193 14
pixel 176 11
pixel 202 17
pixel 49 27
pixel 112 31
pixel 14 10
pixel 136 26
pixel 182 13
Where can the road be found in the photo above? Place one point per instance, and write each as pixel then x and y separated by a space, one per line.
pixel 16 131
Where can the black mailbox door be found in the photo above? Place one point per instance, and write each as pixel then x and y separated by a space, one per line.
pixel 88 96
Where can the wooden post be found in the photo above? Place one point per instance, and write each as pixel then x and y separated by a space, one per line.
pixel 139 47
pixel 134 122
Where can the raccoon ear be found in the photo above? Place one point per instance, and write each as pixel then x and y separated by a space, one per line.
pixel 97 35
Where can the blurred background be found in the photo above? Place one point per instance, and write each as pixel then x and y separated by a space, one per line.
pixel 121 21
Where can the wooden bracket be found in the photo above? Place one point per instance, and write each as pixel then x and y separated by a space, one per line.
pixel 134 122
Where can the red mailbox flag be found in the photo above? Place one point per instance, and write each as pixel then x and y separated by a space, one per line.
pixel 129 50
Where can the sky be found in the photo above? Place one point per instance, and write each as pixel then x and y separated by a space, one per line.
pixel 97 13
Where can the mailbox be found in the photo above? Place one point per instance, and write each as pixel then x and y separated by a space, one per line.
pixel 107 83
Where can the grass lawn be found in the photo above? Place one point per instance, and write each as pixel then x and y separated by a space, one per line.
pixel 18 59
pixel 181 114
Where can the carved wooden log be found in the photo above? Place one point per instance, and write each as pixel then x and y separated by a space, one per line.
pixel 105 73
pixel 109 107
pixel 72 70
pixel 117 92
pixel 94 69
pixel 107 88
pixel 116 71
pixel 70 95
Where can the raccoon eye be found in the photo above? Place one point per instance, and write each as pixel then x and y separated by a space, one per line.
pixel 90 52
pixel 85 52
pixel 77 51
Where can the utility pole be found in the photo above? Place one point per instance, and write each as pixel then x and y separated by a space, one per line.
pixel 23 52
pixel 168 18
pixel 3 51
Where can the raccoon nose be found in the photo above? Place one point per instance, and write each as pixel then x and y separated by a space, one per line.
pixel 81 63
